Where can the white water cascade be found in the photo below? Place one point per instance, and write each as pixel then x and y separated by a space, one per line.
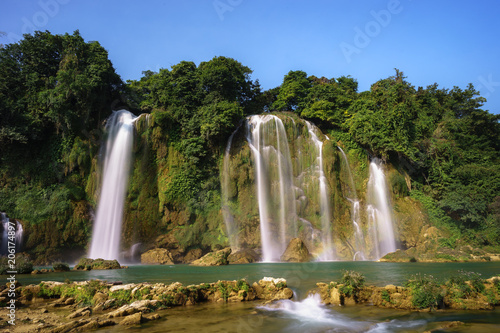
pixel 230 223
pixel 106 232
pixel 379 212
pixel 326 225
pixel 359 241
pixel 275 190
pixel 14 238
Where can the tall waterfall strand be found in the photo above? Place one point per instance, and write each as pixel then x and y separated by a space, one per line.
pixel 106 233
pixel 325 212
pixel 379 212
pixel 231 225
pixel 275 189
pixel 11 233
pixel 359 242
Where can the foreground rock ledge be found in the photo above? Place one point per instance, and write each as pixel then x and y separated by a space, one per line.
pixel 397 297
pixel 95 304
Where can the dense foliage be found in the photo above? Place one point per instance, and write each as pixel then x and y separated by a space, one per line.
pixel 56 91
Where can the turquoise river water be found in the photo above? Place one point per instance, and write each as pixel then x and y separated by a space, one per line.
pixel 302 314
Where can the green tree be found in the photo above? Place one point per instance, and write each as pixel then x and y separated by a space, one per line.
pixel 293 92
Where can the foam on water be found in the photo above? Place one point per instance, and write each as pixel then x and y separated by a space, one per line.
pixel 310 313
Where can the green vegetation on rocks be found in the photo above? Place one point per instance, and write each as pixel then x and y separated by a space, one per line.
pixel 88 264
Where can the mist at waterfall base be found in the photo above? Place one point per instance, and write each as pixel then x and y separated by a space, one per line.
pixel 287 177
pixel 116 166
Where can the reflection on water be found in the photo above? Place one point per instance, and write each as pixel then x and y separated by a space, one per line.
pixel 305 314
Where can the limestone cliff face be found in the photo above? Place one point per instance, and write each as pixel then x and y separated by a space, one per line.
pixel 157 218
pixel 346 180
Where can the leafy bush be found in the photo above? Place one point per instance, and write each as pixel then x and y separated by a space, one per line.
pixel 496 283
pixel 242 285
pixel 385 296
pixel 223 289
pixel 425 291
pixel 60 267
pixel 351 283
pixel 458 287
pixel 83 294
pixel 121 296
pixel 22 265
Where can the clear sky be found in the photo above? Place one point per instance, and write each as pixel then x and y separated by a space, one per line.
pixel 452 43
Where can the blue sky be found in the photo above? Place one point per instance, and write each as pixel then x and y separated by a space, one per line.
pixel 452 43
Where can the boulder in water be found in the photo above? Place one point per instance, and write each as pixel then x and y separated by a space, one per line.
pixel 87 264
pixel 296 251
pixel 192 255
pixel 245 256
pixel 217 258
pixel 157 256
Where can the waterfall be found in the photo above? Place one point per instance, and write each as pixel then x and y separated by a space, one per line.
pixel 359 242
pixel 379 212
pixel 106 232
pixel 328 252
pixel 268 142
pixel 14 237
pixel 230 223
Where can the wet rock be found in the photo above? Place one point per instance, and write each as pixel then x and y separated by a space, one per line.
pixel 245 256
pixel 296 251
pixel 83 312
pixel 69 327
pixel 157 256
pixel 134 319
pixel 100 297
pixel 69 301
pixel 192 255
pixel 335 297
pixel 154 316
pixel 124 311
pixel 87 264
pixel 137 306
pixel 128 286
pixel 272 289
pixel 217 258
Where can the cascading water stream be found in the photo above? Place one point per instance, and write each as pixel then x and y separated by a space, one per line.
pixel 359 242
pixel 328 251
pixel 379 212
pixel 16 238
pixel 231 226
pixel 106 232
pixel 268 142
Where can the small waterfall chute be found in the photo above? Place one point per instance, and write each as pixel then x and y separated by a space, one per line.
pixel 352 197
pixel 106 233
pixel 268 142
pixel 12 233
pixel 229 221
pixel 325 211
pixel 379 212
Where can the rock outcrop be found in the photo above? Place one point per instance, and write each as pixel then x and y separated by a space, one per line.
pixel 158 256
pixel 245 256
pixel 217 258
pixel 296 251
pixel 87 264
